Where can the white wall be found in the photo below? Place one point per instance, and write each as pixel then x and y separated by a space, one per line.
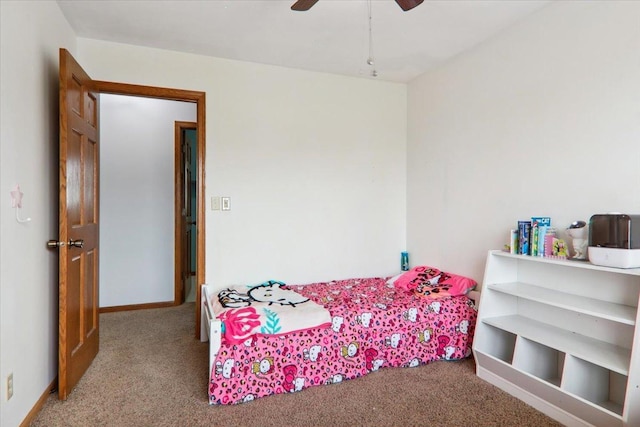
pixel 30 35
pixel 314 163
pixel 542 120
pixel 137 219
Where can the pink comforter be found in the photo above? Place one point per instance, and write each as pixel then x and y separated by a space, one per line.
pixel 374 325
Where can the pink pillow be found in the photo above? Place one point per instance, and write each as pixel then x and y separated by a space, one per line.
pixel 458 285
pixel 447 285
pixel 417 275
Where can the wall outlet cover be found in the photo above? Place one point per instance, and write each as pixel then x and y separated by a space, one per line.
pixel 10 386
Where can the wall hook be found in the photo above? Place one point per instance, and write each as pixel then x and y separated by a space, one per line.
pixel 16 202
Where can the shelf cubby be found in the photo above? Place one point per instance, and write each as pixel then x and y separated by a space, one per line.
pixel 539 360
pixel 502 346
pixel 596 384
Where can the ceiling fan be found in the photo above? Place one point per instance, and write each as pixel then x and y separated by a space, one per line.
pixel 302 5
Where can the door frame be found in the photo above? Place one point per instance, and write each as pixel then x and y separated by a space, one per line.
pixel 186 96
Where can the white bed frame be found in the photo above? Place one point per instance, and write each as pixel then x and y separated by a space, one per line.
pixel 211 328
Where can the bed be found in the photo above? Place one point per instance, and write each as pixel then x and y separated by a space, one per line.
pixel 359 326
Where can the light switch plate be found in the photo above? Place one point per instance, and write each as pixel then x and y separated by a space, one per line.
pixel 215 203
pixel 226 203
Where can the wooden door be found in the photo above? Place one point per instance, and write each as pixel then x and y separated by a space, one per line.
pixel 186 213
pixel 78 224
pixel 189 200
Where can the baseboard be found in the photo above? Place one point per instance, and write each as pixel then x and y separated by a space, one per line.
pixel 137 306
pixel 39 404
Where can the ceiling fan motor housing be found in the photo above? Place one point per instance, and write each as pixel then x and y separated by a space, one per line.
pixel 302 5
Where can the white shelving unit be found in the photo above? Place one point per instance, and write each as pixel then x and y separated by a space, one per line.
pixel 562 336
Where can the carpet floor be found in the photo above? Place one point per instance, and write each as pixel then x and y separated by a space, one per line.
pixel 151 371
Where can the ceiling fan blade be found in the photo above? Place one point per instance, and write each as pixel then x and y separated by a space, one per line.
pixel 302 5
pixel 408 4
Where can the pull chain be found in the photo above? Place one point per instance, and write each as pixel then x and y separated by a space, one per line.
pixel 370 60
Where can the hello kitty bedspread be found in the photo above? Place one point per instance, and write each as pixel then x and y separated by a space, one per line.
pixel 270 308
pixel 373 325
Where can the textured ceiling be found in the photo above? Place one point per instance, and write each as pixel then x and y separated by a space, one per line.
pixel 331 37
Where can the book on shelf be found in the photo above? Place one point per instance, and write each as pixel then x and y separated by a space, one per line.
pixel 524 237
pixel 539 226
pixel 533 246
pixel 513 241
pixel 528 238
pixel 559 249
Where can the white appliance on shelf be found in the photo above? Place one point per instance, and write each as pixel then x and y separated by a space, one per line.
pixel 614 240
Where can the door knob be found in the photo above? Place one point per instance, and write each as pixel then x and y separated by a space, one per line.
pixel 54 244
pixel 76 243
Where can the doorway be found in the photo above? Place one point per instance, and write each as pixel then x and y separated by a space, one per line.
pixel 199 169
pixel 139 194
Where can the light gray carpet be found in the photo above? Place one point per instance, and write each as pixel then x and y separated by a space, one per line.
pixel 151 371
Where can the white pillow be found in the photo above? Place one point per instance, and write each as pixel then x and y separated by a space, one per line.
pixel 394 278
